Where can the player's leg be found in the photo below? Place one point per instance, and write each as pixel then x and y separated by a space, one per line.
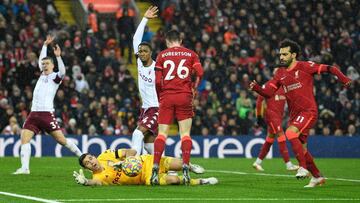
pixel 60 138
pixel 149 140
pixel 137 140
pixel 175 164
pixel 25 151
pixel 184 113
pixel 317 178
pixel 285 153
pixel 186 146
pixel 264 151
pixel 292 133
pixel 166 113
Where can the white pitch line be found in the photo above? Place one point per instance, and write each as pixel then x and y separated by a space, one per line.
pixel 209 199
pixel 27 197
pixel 276 175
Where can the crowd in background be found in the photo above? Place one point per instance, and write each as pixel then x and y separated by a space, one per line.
pixel 237 42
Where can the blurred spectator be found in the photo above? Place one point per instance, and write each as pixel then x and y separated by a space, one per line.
pixel 92 18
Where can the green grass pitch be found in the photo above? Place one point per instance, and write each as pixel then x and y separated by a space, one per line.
pixel 51 179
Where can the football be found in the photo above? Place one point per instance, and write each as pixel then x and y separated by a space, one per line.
pixel 132 166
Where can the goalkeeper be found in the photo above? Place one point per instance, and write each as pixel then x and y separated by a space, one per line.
pixel 106 170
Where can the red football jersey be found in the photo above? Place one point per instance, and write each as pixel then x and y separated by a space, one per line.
pixel 297 82
pixel 274 105
pixel 174 68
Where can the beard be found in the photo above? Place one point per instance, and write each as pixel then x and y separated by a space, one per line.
pixel 286 63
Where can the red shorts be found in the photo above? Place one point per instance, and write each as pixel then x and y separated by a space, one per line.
pixel 38 121
pixel 303 121
pixel 274 125
pixel 149 119
pixel 175 105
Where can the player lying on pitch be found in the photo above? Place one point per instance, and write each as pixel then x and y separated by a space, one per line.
pixel 106 170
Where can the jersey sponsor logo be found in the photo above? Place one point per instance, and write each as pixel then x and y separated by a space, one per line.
pixel 117 177
pixel 291 87
pixel 146 79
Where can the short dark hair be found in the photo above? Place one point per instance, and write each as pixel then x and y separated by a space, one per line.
pixel 81 159
pixel 173 36
pixel 48 58
pixel 146 44
pixel 294 46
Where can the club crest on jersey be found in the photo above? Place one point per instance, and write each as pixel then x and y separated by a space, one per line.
pixel 297 74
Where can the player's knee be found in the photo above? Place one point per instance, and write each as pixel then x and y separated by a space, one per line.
pixel 26 136
pixel 291 134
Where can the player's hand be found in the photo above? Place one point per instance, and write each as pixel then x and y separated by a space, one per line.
pixel 49 39
pixel 347 84
pixel 118 165
pixel 151 12
pixel 57 50
pixel 260 121
pixel 80 177
pixel 252 85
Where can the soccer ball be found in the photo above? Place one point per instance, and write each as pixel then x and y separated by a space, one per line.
pixel 132 166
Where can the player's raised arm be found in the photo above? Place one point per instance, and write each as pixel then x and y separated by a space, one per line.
pixel 43 52
pixel 267 90
pixel 57 52
pixel 315 68
pixel 149 14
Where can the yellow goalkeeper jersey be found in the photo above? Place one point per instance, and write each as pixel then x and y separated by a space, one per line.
pixel 112 176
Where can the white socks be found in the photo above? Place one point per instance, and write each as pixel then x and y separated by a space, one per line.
pixel 137 141
pixel 258 161
pixel 72 147
pixel 25 154
pixel 149 147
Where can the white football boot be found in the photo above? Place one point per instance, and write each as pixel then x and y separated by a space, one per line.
pixel 302 173
pixel 197 169
pixel 292 167
pixel 209 181
pixel 315 182
pixel 258 167
pixel 21 171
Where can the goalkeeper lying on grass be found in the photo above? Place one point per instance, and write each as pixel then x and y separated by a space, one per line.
pixel 107 170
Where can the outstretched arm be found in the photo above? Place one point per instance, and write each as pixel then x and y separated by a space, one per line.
pixel 267 91
pixel 150 13
pixel 43 52
pixel 57 52
pixel 323 68
pixel 82 180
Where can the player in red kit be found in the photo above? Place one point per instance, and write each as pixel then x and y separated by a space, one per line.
pixel 176 90
pixel 297 81
pixel 273 113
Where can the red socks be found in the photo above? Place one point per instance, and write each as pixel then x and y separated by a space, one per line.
pixel 283 148
pixel 186 146
pixel 311 166
pixel 266 147
pixel 296 147
pixel 159 146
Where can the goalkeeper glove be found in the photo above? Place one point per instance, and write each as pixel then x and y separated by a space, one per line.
pixel 80 177
pixel 118 165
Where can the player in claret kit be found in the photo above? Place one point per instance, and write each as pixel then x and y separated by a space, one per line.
pixel 41 117
pixel 143 135
pixel 174 68
pixel 272 109
pixel 296 78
